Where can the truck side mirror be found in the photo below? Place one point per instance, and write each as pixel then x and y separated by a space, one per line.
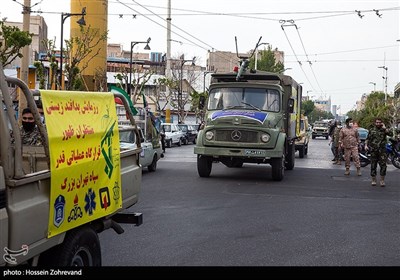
pixel 202 101
pixel 290 105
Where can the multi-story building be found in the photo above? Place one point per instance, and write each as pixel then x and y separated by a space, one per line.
pixel 38 28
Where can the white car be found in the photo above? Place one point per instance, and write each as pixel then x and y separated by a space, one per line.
pixel 173 134
pixel 151 153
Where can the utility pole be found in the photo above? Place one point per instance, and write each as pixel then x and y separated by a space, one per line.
pixel 168 64
pixel 24 70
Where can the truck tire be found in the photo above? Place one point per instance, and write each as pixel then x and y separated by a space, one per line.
pixel 153 166
pixel 169 143
pixel 278 169
pixel 204 165
pixel 302 151
pixel 81 247
pixel 290 157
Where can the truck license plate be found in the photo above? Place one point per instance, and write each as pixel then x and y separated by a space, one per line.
pixel 254 152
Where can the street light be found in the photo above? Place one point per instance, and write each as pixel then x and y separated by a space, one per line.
pixel 256 58
pixel 147 47
pixel 385 78
pixel 372 83
pixel 81 22
pixel 180 109
pixel 204 79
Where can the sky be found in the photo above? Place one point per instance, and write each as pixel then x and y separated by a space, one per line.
pixel 335 48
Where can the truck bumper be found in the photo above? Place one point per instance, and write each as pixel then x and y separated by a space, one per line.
pixel 244 153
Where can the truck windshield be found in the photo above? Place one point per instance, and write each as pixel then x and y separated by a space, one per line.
pixel 244 98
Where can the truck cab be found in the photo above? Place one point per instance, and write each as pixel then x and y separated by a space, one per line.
pixel 250 117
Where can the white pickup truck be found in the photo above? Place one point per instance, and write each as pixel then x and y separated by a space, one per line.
pixel 151 152
pixel 98 182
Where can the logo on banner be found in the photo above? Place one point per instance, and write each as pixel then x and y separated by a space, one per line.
pixel 59 210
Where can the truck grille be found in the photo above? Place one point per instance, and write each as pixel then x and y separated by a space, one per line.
pixel 236 135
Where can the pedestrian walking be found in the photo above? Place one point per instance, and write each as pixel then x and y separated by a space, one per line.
pixel 349 141
pixel 376 144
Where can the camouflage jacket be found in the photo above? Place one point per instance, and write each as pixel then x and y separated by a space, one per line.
pixel 377 138
pixel 336 135
pixel 32 138
pixel 348 137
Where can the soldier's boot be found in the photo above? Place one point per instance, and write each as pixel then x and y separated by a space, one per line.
pixel 336 162
pixel 382 182
pixel 339 162
pixel 358 171
pixel 373 181
pixel 347 172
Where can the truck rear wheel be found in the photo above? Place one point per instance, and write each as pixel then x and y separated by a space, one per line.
pixel 302 151
pixel 81 247
pixel 278 169
pixel 290 157
pixel 204 165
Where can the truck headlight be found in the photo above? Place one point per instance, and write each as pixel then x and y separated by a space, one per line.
pixel 209 135
pixel 265 137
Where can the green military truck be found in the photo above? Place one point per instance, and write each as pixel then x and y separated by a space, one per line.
pixel 250 117
pixel 57 197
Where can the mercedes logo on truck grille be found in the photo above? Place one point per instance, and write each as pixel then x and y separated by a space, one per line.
pixel 236 135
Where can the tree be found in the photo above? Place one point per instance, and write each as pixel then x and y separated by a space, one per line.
pixel 307 107
pixel 13 40
pixel 266 62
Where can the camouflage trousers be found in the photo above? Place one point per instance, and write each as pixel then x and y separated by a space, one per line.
pixel 378 157
pixel 351 153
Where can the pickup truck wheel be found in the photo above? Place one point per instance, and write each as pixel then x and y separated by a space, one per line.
pixel 81 247
pixel 278 169
pixel 169 143
pixel 302 151
pixel 204 165
pixel 180 142
pixel 153 166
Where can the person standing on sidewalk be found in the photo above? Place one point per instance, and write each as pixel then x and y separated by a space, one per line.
pixel 349 140
pixel 376 143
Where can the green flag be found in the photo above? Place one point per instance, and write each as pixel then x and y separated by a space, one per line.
pixel 114 89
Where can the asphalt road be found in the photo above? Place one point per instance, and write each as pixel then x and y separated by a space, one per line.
pixel 316 216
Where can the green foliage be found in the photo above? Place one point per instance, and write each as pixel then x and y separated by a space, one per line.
pixel 266 62
pixel 307 107
pixel 375 106
pixel 40 72
pixel 13 41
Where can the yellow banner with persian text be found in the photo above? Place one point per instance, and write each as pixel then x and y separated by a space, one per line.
pixel 84 157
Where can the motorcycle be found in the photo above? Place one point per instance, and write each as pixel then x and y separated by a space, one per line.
pixel 392 150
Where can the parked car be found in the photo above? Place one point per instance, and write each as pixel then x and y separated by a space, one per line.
pixel 173 135
pixel 150 154
pixel 190 133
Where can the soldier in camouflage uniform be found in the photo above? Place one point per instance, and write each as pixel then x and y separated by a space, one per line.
pixel 335 143
pixel 30 134
pixel 349 140
pixel 376 143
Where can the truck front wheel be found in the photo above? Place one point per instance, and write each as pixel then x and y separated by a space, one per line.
pixel 278 169
pixel 81 247
pixel 204 165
